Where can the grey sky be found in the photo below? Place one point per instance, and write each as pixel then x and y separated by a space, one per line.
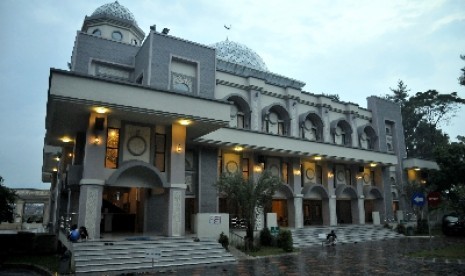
pixel 352 48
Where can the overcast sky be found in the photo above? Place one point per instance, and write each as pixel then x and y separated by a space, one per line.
pixel 352 48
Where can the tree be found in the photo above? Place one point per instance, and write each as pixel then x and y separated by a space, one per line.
pixel 248 195
pixel 462 77
pixel 7 199
pixel 450 179
pixel 400 94
pixel 422 116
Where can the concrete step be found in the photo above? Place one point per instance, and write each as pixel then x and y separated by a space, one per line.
pixel 111 256
pixel 345 234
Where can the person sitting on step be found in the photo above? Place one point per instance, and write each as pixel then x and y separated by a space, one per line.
pixel 331 238
pixel 74 233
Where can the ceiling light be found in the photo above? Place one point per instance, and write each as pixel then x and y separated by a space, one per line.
pixel 101 110
pixel 66 139
pixel 184 122
pixel 238 148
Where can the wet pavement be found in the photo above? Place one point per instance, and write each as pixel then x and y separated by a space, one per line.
pixel 364 258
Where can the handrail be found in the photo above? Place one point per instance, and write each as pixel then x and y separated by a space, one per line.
pixel 236 239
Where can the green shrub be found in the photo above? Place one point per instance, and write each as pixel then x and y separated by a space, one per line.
pixel 266 239
pixel 285 240
pixel 224 240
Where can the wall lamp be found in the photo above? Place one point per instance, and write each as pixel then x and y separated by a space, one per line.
pixel 96 140
pixel 178 148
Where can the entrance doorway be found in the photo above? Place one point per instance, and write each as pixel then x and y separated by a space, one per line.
pixel 123 210
pixel 343 211
pixel 189 211
pixel 313 214
pixel 279 206
pixel 369 208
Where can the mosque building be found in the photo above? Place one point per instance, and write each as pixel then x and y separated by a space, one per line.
pixel 142 125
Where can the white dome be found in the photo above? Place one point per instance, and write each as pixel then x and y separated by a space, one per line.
pixel 115 10
pixel 237 53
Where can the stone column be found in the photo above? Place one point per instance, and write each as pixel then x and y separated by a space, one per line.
pixel 361 209
pixel 328 177
pixel 332 210
pixel 176 214
pixel 90 204
pixel 177 179
pixel 298 214
pixel 46 214
pixel 19 209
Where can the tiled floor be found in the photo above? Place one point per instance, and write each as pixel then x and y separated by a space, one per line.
pixel 362 258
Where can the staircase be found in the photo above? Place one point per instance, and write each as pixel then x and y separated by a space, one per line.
pixel 135 255
pixel 345 234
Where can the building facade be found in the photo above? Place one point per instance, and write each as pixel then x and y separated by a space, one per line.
pixel 141 126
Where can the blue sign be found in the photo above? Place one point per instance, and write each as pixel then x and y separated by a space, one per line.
pixel 418 199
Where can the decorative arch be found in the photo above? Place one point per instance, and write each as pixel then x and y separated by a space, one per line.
pixel 283 119
pixel 278 108
pixel 135 173
pixel 343 189
pixel 243 110
pixel 284 190
pixel 308 190
pixel 316 121
pixel 346 133
pixel 367 135
pixel 372 192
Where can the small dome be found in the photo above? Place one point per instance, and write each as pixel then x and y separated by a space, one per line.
pixel 115 10
pixel 238 53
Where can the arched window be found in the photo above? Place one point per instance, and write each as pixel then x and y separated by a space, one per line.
pixel 274 124
pixel 367 137
pixel 309 130
pixel 340 136
pixel 237 117
pixel 389 147
pixel 341 131
pixel 240 113
pixel 97 32
pixel 311 127
pixel 276 120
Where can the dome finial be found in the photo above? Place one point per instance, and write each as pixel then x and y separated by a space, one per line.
pixel 228 28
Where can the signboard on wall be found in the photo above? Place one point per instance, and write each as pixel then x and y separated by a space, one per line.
pixel 214 219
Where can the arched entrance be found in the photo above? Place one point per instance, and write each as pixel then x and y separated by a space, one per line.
pixel 373 202
pixel 346 204
pixel 134 200
pixel 280 205
pixel 315 207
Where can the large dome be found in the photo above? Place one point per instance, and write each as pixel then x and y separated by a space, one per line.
pixel 115 10
pixel 237 53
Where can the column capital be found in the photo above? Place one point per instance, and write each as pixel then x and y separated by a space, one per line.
pixel 181 186
pixel 298 195
pixel 90 181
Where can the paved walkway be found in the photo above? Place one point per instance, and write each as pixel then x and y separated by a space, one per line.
pixel 363 258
